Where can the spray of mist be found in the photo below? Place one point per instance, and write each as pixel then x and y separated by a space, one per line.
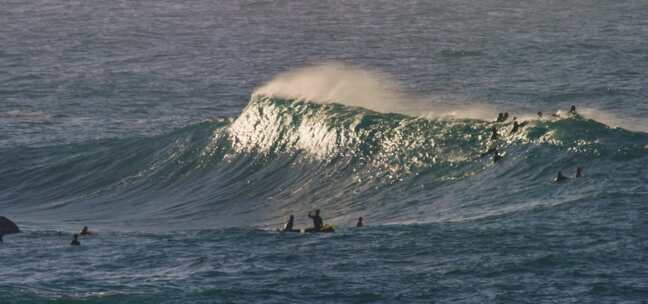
pixel 373 90
pixel 348 85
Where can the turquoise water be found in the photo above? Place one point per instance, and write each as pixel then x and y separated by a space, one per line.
pixel 143 121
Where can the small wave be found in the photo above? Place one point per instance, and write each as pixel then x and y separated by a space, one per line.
pixel 25 115
pixel 460 53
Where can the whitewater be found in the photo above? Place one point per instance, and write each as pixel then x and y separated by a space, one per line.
pixel 185 135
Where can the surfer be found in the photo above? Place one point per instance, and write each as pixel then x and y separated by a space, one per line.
pixel 516 126
pixel 493 149
pixel 359 224
pixel 560 178
pixel 497 157
pixel 75 241
pixel 494 133
pixel 85 231
pixel 317 221
pixel 539 115
pixel 579 172
pixel 502 117
pixel 572 109
pixel 289 226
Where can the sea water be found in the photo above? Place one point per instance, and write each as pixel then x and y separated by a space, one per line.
pixel 185 134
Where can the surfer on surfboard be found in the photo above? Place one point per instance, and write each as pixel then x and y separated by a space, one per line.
pixel 289 226
pixel 317 221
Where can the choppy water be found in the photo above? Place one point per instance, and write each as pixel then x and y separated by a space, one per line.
pixel 140 120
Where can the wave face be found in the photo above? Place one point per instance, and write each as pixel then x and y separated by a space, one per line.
pixel 282 157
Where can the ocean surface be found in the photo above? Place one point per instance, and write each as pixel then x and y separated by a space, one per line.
pixel 185 134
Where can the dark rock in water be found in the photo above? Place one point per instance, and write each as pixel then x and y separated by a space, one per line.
pixel 7 226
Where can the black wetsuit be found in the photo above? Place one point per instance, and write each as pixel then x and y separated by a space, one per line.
pixel 494 135
pixel 560 178
pixel 497 157
pixel 515 128
pixel 491 150
pixel 317 222
pixel 289 226
pixel 75 243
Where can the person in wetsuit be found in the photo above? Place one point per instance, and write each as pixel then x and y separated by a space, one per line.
pixel 516 126
pixel 494 133
pixel 497 157
pixel 579 172
pixel 359 224
pixel 289 226
pixel 317 222
pixel 75 241
pixel 85 231
pixel 572 109
pixel 492 149
pixel 560 177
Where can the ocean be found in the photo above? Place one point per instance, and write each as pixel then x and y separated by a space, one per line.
pixel 185 134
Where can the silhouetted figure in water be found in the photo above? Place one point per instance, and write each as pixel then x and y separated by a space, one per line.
pixel 502 117
pixel 516 126
pixel 493 149
pixel 572 109
pixel 75 241
pixel 497 157
pixel 560 178
pixel 289 226
pixel 85 231
pixel 359 224
pixel 579 172
pixel 540 115
pixel 494 133
pixel 317 221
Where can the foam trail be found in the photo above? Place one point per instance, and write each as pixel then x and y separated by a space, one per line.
pixel 335 82
pixel 348 85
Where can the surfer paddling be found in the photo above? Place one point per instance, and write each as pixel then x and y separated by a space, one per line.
pixel 85 231
pixel 560 178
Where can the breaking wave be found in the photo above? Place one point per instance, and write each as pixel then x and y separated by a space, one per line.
pixel 287 156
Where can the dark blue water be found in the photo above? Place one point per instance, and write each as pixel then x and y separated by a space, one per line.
pixel 174 132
